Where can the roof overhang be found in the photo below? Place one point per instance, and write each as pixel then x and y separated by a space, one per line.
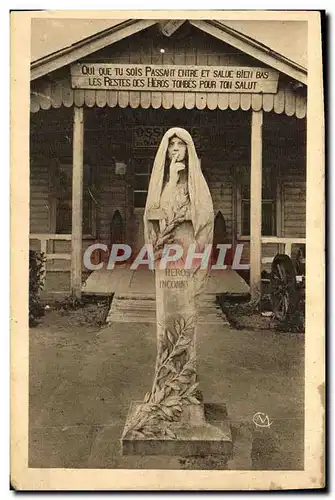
pixel 127 28
pixel 253 48
pixel 70 54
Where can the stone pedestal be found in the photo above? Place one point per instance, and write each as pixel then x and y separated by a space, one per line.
pixel 195 434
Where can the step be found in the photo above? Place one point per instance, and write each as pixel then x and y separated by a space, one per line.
pixel 140 309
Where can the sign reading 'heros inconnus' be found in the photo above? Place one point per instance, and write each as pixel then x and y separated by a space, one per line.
pixel 173 78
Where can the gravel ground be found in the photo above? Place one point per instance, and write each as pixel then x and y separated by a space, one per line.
pixel 83 377
pixel 245 315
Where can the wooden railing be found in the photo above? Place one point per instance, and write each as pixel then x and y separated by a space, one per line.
pixel 43 238
pixel 285 242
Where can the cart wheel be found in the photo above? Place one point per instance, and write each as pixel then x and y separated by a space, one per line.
pixel 283 286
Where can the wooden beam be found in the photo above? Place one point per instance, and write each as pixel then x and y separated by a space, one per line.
pixel 171 26
pixel 87 46
pixel 77 201
pixel 256 204
pixel 252 48
pixel 50 236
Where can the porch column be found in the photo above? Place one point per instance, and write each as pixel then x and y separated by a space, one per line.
pixel 256 204
pixel 77 200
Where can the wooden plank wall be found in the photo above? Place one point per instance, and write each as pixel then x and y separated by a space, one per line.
pixel 39 199
pixel 294 205
pixel 50 138
pixel 220 183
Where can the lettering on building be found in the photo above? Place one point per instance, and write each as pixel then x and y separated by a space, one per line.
pixel 173 78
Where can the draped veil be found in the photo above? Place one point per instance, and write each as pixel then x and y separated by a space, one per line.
pixel 201 205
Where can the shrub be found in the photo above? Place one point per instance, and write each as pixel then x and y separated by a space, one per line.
pixel 36 277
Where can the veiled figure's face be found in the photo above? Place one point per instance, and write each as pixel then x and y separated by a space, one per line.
pixel 177 149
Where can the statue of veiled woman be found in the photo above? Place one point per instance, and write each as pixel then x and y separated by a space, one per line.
pixel 178 187
pixel 178 210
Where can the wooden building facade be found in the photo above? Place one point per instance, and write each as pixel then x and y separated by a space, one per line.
pixel 92 150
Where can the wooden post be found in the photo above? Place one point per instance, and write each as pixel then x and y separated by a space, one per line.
pixel 77 201
pixel 279 207
pixel 256 204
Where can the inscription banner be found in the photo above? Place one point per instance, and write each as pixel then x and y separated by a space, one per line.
pixel 173 78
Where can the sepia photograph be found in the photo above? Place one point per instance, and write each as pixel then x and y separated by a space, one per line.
pixel 167 275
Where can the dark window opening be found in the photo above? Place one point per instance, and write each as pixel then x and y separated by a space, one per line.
pixel 269 205
pixel 142 169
